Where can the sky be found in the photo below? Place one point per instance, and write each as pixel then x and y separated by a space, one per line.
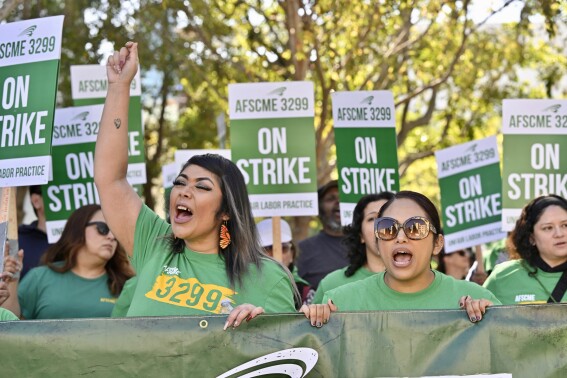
pixel 480 9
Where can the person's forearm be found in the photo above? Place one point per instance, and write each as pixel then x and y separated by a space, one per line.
pixel 111 152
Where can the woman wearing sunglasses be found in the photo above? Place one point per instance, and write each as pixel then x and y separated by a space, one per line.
pixel 408 233
pixel 209 259
pixel 537 272
pixel 457 263
pixel 364 259
pixel 83 275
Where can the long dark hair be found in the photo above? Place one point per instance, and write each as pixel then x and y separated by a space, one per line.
pixel 62 256
pixel 519 240
pixel 422 201
pixel 356 249
pixel 245 248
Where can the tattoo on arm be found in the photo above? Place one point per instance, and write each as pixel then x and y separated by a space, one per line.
pixel 117 123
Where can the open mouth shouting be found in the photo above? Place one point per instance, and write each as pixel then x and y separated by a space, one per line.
pixel 182 214
pixel 402 258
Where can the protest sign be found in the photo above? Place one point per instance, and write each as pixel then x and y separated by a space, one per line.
pixel 89 86
pixel 471 199
pixel 273 144
pixel 74 135
pixel 535 154
pixel 30 52
pixel 365 136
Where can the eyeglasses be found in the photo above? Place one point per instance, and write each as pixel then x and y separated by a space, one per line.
pixel 415 228
pixel 101 227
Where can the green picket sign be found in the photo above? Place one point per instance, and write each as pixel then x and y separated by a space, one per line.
pixel 89 86
pixel 273 145
pixel 483 206
pixel 270 172
pixel 471 199
pixel 535 153
pixel 377 168
pixel 74 135
pixel 29 66
pixel 365 137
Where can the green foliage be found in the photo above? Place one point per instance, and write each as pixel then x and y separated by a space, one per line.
pixel 448 74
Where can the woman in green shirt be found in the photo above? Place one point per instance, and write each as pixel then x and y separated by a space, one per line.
pixel 363 255
pixel 408 231
pixel 84 272
pixel 209 259
pixel 537 272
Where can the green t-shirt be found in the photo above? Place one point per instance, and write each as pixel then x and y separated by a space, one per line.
pixel 372 294
pixel 123 302
pixel 7 315
pixel 336 279
pixel 46 294
pixel 192 283
pixel 495 255
pixel 511 284
pixel 298 280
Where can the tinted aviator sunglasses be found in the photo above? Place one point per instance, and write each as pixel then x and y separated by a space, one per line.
pixel 415 228
pixel 101 227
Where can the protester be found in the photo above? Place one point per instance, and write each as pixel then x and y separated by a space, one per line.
pixel 288 252
pixel 324 253
pixel 32 237
pixel 83 275
pixel 364 258
pixel 9 286
pixel 209 259
pixel 409 234
pixel 457 263
pixel 540 241
pixel 5 314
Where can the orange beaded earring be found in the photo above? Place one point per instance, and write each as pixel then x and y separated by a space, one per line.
pixel 224 236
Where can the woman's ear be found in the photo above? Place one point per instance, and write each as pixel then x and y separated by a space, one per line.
pixel 225 218
pixel 438 246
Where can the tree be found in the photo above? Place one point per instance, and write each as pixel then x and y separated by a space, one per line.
pixel 448 73
pixel 440 65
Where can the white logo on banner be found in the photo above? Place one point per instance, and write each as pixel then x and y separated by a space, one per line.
pixel 294 363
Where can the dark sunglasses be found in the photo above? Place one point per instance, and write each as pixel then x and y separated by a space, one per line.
pixel 101 227
pixel 415 228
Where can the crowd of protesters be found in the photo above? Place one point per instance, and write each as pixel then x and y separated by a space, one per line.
pixel 121 258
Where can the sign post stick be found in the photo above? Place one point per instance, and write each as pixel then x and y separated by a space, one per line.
pixel 277 238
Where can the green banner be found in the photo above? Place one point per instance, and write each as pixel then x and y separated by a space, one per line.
pixel 367 154
pixel 273 144
pixel 471 199
pixel 535 153
pixel 29 66
pixel 511 341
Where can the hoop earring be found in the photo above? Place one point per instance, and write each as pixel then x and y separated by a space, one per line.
pixel 224 236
